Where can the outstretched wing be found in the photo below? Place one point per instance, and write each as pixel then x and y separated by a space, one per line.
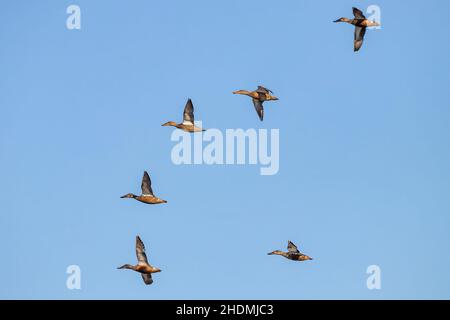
pixel 140 252
pixel 259 108
pixel 147 277
pixel 261 89
pixel 146 185
pixel 358 13
pixel 292 248
pixel 188 115
pixel 359 37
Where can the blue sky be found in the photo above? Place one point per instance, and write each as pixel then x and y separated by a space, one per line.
pixel 364 149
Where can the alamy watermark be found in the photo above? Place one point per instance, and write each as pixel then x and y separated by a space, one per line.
pixel 374 12
pixel 73 21
pixel 73 281
pixel 233 146
pixel 374 280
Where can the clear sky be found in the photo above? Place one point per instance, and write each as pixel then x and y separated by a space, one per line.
pixel 364 149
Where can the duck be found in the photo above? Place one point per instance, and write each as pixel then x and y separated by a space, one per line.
pixel 143 267
pixel 292 254
pixel 258 96
pixel 188 120
pixel 361 23
pixel 147 195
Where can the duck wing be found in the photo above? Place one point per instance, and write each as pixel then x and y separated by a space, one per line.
pixel 261 89
pixel 360 32
pixel 259 108
pixel 188 114
pixel 147 277
pixel 140 252
pixel 358 13
pixel 146 185
pixel 292 248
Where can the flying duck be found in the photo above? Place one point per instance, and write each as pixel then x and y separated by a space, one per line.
pixel 143 267
pixel 147 195
pixel 292 253
pixel 258 96
pixel 188 120
pixel 361 23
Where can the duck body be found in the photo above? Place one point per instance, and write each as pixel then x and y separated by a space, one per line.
pixel 185 127
pixel 357 22
pixel 291 256
pixel 148 199
pixel 145 269
pixel 258 95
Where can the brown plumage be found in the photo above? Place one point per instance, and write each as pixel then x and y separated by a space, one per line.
pixel 147 195
pixel 292 254
pixel 188 124
pixel 143 267
pixel 258 97
pixel 361 23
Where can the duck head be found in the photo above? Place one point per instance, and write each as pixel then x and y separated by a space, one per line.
pixel 276 252
pixel 241 92
pixel 129 195
pixel 342 20
pixel 169 124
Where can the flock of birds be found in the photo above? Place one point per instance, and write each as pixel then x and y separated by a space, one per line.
pixel 259 96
